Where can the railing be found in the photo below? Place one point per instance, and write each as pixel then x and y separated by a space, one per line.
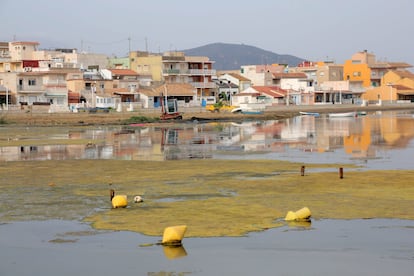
pixel 29 88
pixel 199 72
pixel 203 84
pixel 172 71
pixel 55 83
pixel 202 72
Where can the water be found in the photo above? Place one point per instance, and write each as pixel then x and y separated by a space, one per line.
pixel 326 247
pixel 380 140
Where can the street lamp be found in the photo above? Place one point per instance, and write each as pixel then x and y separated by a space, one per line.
pixel 7 98
pixel 230 93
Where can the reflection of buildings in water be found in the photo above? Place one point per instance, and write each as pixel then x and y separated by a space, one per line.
pixel 177 144
pixel 360 137
pixel 397 131
pixel 358 142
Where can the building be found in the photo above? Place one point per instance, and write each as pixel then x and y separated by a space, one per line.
pixel 261 95
pixel 300 89
pixel 396 86
pixel 364 67
pixel 175 67
pixel 151 97
pixel 242 82
pixel 262 75
pixel 39 77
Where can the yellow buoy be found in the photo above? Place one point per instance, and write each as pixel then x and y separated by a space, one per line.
pixel 118 201
pixel 303 214
pixel 173 234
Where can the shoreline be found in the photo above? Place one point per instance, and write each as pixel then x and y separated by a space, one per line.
pixel 115 118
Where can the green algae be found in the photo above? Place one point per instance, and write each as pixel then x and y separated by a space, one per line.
pixel 212 197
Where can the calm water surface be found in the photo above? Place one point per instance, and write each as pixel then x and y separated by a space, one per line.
pixel 379 140
pixel 326 247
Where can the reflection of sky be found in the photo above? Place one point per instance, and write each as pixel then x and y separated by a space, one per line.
pixel 382 141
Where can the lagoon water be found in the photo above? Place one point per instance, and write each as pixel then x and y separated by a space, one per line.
pixel 379 140
pixel 324 247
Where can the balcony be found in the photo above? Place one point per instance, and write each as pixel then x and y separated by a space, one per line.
pixel 55 83
pixel 203 84
pixel 30 88
pixel 172 72
pixel 202 72
pixel 190 72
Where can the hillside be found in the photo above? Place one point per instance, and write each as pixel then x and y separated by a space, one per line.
pixel 232 56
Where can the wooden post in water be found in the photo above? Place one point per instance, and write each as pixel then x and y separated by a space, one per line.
pixel 341 172
pixel 302 171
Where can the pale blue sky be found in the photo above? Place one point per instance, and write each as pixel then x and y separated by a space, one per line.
pixel 310 29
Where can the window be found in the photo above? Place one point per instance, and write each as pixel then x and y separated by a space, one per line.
pixel 32 82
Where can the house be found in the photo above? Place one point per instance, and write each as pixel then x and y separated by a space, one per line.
pixel 265 95
pixel 125 84
pixel 241 82
pixel 226 90
pixel 261 75
pixel 184 93
pixel 300 88
pixel 319 72
pixel 107 101
pixel 44 86
pixel 396 86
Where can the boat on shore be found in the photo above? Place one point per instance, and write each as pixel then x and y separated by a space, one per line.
pixel 316 114
pixel 342 114
pixel 246 111
pixel 347 114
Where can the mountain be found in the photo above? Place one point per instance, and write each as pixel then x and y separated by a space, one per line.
pixel 232 56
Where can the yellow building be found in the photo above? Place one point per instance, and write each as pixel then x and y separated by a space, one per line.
pixel 357 68
pixel 396 86
pixel 364 67
pixel 175 67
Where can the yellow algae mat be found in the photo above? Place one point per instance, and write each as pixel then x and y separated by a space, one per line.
pixel 211 197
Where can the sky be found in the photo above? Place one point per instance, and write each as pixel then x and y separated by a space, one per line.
pixel 310 29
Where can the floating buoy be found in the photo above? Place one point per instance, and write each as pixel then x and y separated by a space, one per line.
pixel 303 214
pixel 173 235
pixel 118 201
